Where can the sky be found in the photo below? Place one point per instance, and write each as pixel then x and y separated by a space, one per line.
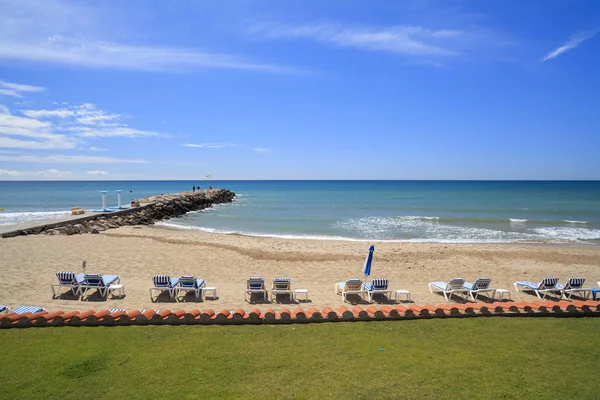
pixel 299 89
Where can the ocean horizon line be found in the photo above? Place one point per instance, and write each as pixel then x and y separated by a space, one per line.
pixel 303 180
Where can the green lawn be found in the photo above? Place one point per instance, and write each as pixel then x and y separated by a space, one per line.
pixel 443 358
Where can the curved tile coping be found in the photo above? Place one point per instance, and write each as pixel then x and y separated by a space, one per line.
pixel 285 315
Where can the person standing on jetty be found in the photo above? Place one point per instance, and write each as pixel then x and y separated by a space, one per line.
pixel 193 189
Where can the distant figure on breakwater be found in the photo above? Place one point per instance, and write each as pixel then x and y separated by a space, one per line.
pixel 193 188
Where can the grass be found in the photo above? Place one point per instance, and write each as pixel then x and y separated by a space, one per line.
pixel 452 358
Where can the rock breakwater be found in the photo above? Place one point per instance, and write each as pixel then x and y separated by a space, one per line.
pixel 151 210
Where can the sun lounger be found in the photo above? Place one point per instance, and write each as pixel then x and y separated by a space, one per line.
pixel 350 286
pixel 574 285
pixel 453 286
pixel 163 283
pixel 68 280
pixel 545 286
pixel 255 285
pixel 281 286
pixel 97 282
pixel 377 286
pixel 481 285
pixel 28 309
pixel 189 283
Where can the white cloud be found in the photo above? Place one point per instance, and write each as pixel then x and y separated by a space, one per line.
pixel 97 172
pixel 9 172
pixel 41 131
pixel 571 44
pixel 260 149
pixel 49 173
pixel 211 145
pixel 87 121
pixel 94 148
pixel 17 89
pixel 100 54
pixel 402 39
pixel 68 159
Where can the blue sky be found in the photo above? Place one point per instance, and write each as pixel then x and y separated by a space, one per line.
pixel 299 89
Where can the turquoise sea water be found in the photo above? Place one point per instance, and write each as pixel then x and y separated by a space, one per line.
pixel 429 211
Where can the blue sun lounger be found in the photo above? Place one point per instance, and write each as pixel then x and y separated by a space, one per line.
pixel 545 286
pixel 189 283
pixel 68 280
pixel 98 282
pixel 28 309
pixel 574 285
pixel 377 286
pixel 163 283
pixel 255 285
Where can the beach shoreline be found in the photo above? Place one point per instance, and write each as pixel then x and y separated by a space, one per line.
pixel 225 261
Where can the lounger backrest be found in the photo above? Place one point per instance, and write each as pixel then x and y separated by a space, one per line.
pixel 93 279
pixel 380 284
pixel 354 284
pixel 548 283
pixel 481 283
pixel 456 283
pixel 575 283
pixel 66 278
pixel 281 283
pixel 188 281
pixel 161 280
pixel 255 283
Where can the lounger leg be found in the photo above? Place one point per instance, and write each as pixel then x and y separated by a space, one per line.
pixel 430 289
pixel 446 295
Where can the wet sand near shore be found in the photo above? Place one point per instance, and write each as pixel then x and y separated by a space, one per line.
pixel 28 265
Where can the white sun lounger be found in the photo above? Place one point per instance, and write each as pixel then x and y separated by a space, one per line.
pixel 255 285
pixel 453 286
pixel 163 283
pixel 481 285
pixel 68 280
pixel 377 286
pixel 350 286
pixel 281 286
pixel 189 283
pixel 97 282
pixel 574 285
pixel 545 286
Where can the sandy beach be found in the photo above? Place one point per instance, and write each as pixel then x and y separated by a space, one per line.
pixel 28 266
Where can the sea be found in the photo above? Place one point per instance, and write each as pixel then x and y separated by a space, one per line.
pixel 404 211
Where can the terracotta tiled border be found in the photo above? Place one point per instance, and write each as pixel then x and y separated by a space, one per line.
pixel 298 315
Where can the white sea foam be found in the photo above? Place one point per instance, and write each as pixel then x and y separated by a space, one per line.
pixel 517 220
pixel 570 234
pixel 569 221
pixel 11 218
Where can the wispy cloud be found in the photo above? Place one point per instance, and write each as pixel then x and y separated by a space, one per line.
pixel 260 149
pixel 49 173
pixel 574 42
pixel 68 159
pixel 97 172
pixel 94 148
pixel 211 145
pixel 101 54
pixel 17 89
pixel 87 121
pixel 402 39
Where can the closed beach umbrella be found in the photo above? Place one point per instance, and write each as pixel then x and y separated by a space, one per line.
pixel 368 261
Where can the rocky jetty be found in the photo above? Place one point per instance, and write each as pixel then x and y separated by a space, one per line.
pixel 151 210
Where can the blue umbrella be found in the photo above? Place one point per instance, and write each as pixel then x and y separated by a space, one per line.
pixel 368 260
